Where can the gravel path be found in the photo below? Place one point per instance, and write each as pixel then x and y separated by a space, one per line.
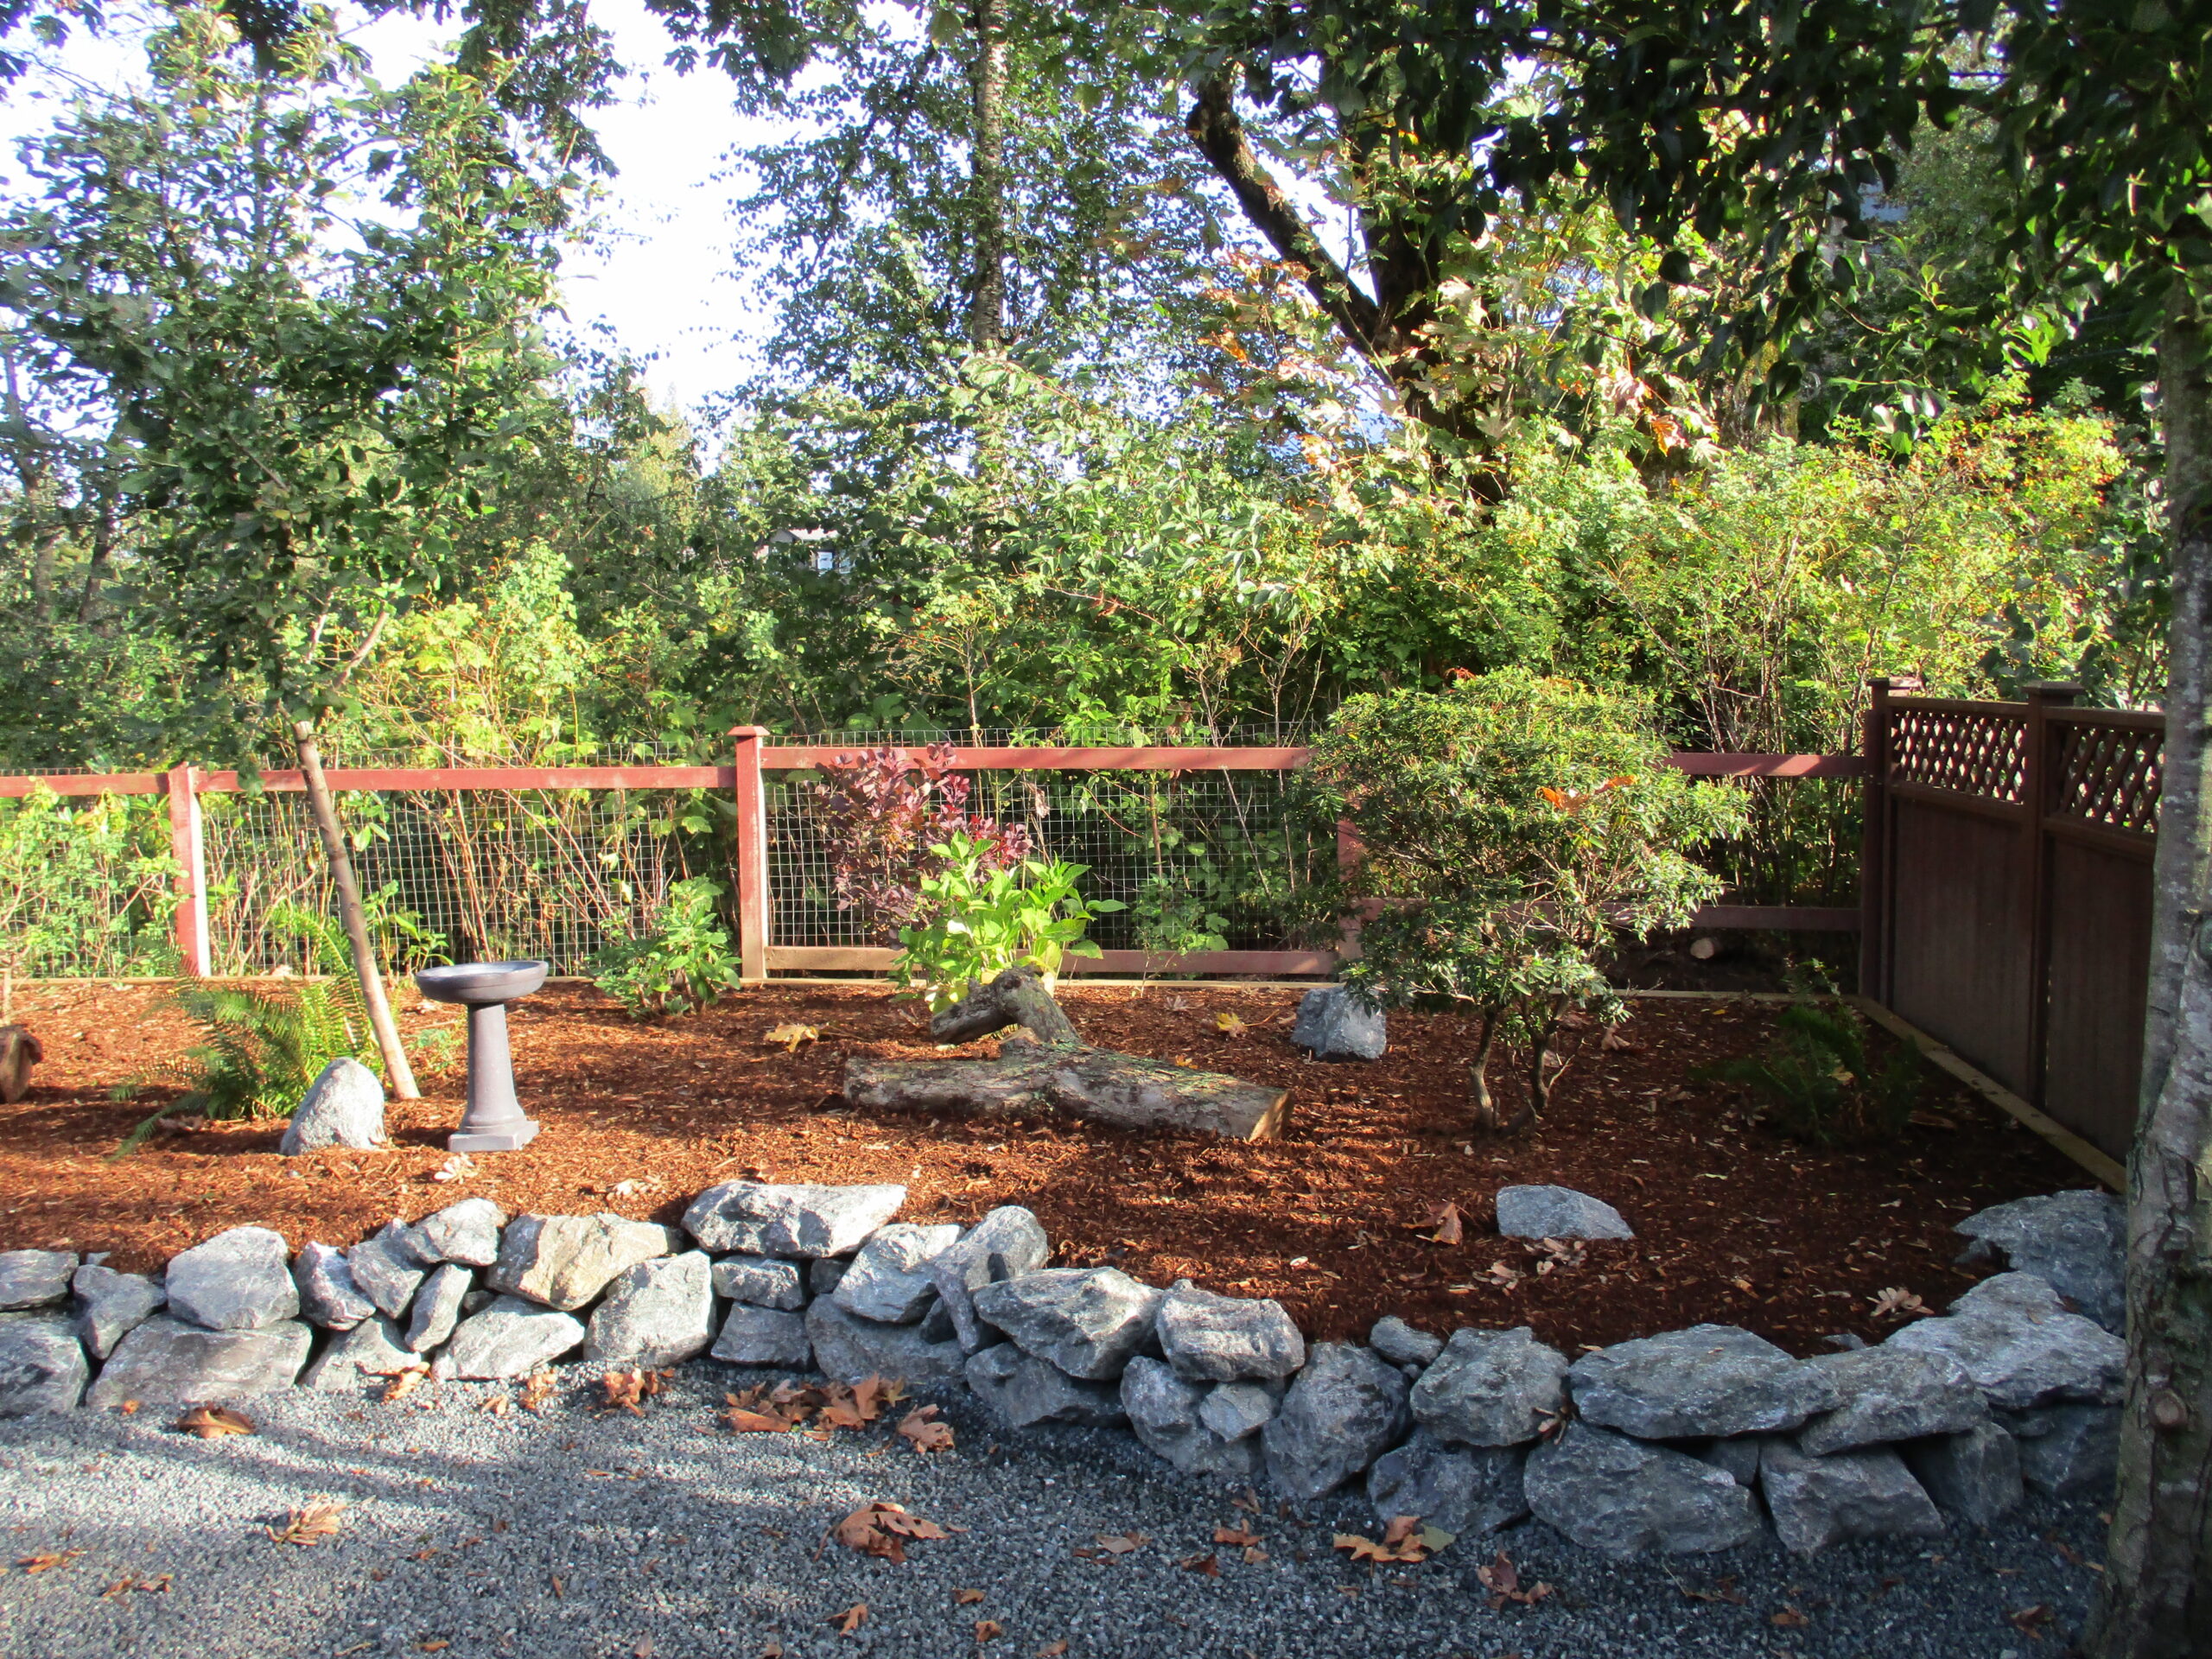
pixel 612 1536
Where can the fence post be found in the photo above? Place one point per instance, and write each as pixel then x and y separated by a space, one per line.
pixel 751 857
pixel 2035 873
pixel 1874 850
pixel 188 847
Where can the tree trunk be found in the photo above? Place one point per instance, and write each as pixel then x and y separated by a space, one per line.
pixel 2157 1602
pixel 325 808
pixel 1479 1093
pixel 1016 997
pixel 987 181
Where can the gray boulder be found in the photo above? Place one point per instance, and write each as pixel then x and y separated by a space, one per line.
pixel 512 1337
pixel 344 1106
pixel 760 1281
pixel 1974 1475
pixel 2068 1451
pixel 166 1362
pixel 1233 1410
pixel 1464 1491
pixel 1021 1391
pixel 1739 1456
pixel 1402 1345
pixel 1556 1212
pixel 1816 1502
pixel 42 1367
pixel 110 1304
pixel 376 1347
pixel 764 1335
pixel 1886 1394
pixel 889 1280
pixel 329 1296
pixel 1333 1024
pixel 1163 1412
pixel 848 1349
pixel 240 1279
pixel 1610 1493
pixel 1709 1380
pixel 1005 1244
pixel 1088 1321
pixel 387 1267
pixel 1347 1408
pixel 2077 1241
pixel 1210 1338
pixel 1491 1388
pixel 759 1219
pixel 467 1232
pixel 823 1273
pixel 34 1278
pixel 437 1307
pixel 657 1313
pixel 564 1262
pixel 2021 1347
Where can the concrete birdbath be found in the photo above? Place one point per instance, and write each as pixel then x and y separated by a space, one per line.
pixel 493 1121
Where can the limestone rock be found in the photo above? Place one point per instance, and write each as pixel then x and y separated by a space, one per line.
pixel 43 1366
pixel 1886 1394
pixel 2077 1241
pixel 760 1281
pixel 1402 1345
pixel 467 1232
pixel 1464 1491
pixel 2021 1347
pixel 2070 1451
pixel 1333 1024
pixel 329 1296
pixel 1233 1410
pixel 1163 1412
pixel 759 1220
pixel 764 1335
pixel 437 1307
pixel 1556 1212
pixel 166 1362
pixel 1005 1244
pixel 344 1106
pixel 387 1269
pixel 110 1304
pixel 1210 1338
pixel 1491 1388
pixel 240 1279
pixel 1610 1493
pixel 512 1337
pixel 564 1262
pixel 889 1280
pixel 657 1313
pixel 34 1278
pixel 1816 1502
pixel 1709 1380
pixel 1088 1321
pixel 1347 1408
pixel 1975 1476
pixel 848 1349
pixel 376 1347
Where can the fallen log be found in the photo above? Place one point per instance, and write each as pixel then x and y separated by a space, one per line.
pixel 19 1052
pixel 1016 997
pixel 1123 1090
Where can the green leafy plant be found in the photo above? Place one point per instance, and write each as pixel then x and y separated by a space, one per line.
pixel 680 964
pixel 977 918
pixel 1818 1083
pixel 83 889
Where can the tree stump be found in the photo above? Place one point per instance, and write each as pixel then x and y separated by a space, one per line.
pixel 19 1052
pixel 1016 997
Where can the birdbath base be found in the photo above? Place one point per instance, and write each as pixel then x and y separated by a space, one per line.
pixel 493 1121
pixel 513 1139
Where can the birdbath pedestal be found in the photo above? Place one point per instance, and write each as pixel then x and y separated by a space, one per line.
pixel 493 1121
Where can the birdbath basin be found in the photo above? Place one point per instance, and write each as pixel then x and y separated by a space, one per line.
pixel 493 1121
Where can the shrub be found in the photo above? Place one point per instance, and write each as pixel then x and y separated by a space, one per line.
pixel 976 918
pixel 888 815
pixel 679 965
pixel 84 888
pixel 1818 1083
pixel 1513 827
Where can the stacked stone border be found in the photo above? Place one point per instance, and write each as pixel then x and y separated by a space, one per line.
pixel 1695 1439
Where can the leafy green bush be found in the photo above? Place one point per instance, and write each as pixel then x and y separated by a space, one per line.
pixel 977 918
pixel 679 965
pixel 1514 827
pixel 84 888
pixel 1818 1083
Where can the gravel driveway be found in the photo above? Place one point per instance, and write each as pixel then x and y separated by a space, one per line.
pixel 582 1533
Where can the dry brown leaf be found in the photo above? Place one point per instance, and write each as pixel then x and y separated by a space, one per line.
pixel 792 1035
pixel 1123 1543
pixel 1613 1043
pixel 1449 1221
pixel 920 1426
pixel 46 1563
pixel 497 1405
pixel 773 1651
pixel 882 1529
pixel 1899 1303
pixel 1502 1579
pixel 1237 1535
pixel 629 1390
pixel 310 1526
pixel 851 1619
pixel 1789 1618
pixel 1051 1651
pixel 404 1383
pixel 1229 1025
pixel 536 1391
pixel 1254 1555
pixel 2030 1621
pixel 213 1422
pixel 988 1630
pixel 1723 1589
pixel 1248 1500
pixel 755 1422
pixel 432 1644
pixel 967 1598
pixel 151 1587
pixel 1204 1563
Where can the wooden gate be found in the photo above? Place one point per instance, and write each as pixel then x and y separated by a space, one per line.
pixel 2007 891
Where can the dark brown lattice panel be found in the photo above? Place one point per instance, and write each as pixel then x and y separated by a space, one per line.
pixel 1969 751
pixel 2109 775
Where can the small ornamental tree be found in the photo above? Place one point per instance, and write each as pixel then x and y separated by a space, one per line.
pixel 1512 826
pixel 888 815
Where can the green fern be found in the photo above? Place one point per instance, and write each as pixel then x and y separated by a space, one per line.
pixel 1818 1082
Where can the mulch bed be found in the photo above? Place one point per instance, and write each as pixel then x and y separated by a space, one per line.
pixel 1734 1225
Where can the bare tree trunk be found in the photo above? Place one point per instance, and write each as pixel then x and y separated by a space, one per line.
pixel 324 806
pixel 2157 1602
pixel 103 547
pixel 987 82
pixel 1479 1093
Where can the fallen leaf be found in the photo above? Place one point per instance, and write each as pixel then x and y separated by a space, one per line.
pixel 536 1391
pixel 1612 1042
pixel 1723 1590
pixel 791 1036
pixel 48 1562
pixel 1248 1500
pixel 151 1587
pixel 1202 1563
pixel 2030 1621
pixel 497 1405
pixel 404 1383
pixel 988 1630
pixel 1448 1219
pixel 1229 1025
pixel 1237 1535
pixel 1789 1618
pixel 756 1422
pixel 432 1645
pixel 1254 1555
pixel 1051 1651
pixel 1899 1303
pixel 967 1598
pixel 311 1525
pixel 921 1427
pixel 1123 1543
pixel 882 1529
pixel 1397 1545
pixel 1502 1579
pixel 213 1422
pixel 773 1651
pixel 458 1167
pixel 851 1619
pixel 629 1390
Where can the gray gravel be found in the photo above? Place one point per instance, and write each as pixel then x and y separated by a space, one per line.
pixel 612 1536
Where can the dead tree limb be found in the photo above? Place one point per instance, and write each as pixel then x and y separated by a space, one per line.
pixel 1016 997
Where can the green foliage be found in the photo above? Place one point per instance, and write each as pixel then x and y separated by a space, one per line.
pixel 978 917
pixel 682 964
pixel 84 888
pixel 1818 1083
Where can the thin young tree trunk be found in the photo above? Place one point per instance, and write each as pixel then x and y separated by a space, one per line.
pixel 1478 1074
pixel 2157 1602
pixel 324 805
pixel 987 82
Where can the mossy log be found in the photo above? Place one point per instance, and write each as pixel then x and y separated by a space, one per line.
pixel 1016 997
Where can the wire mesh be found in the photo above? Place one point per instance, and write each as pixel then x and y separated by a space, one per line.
pixel 87 886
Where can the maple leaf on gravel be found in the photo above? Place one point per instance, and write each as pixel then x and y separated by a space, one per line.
pixel 920 1426
pixel 1405 1540
pixel 536 1391
pixel 1201 1562
pixel 213 1422
pixel 310 1526
pixel 1502 1579
pixel 629 1390
pixel 1237 1535
pixel 988 1629
pixel 48 1562
pixel 882 1529
pixel 403 1384
pixel 967 1598
pixel 851 1619
pixel 2030 1621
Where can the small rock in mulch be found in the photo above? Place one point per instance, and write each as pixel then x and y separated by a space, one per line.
pixel 1557 1212
pixel 1334 1025
pixel 343 1107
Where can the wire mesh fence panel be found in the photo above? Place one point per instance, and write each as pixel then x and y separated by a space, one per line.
pixel 87 886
